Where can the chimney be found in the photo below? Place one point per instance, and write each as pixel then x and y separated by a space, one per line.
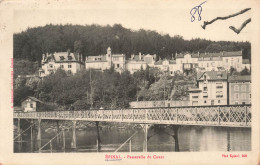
pixel 140 56
pixel 68 52
pixel 154 57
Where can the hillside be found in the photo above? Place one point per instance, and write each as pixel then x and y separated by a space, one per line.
pixel 94 40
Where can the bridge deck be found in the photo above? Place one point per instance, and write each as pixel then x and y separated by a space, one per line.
pixel 227 116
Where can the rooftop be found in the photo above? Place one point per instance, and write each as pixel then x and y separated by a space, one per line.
pixel 33 98
pixel 219 54
pixel 212 75
pixel 239 78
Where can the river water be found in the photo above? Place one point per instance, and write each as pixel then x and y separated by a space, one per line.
pixel 191 139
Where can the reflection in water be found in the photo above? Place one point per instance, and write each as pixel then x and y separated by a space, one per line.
pixel 191 138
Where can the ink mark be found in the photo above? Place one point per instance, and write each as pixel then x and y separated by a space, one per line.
pixel 196 9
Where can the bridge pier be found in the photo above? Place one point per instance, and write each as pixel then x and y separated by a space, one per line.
pixel 98 137
pixel 39 135
pixel 228 140
pixel 74 140
pixel 19 131
pixel 145 141
pixel 58 130
pixel 32 129
pixel 175 136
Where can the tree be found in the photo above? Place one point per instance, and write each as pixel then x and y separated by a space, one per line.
pixel 214 47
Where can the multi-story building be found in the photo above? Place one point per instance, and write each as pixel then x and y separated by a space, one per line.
pixel 67 61
pixel 103 62
pixel 239 89
pixel 167 66
pixel 211 90
pixel 136 62
pixel 185 62
pixel 211 61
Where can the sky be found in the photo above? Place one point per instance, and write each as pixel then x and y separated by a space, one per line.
pixel 165 17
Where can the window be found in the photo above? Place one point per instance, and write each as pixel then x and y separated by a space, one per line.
pixel 69 65
pixel 250 95
pixel 236 88
pixel 226 60
pixel 117 65
pixel 61 66
pixel 212 102
pixel 195 97
pixel 205 101
pixel 236 96
pixel 218 101
pixel 236 102
pixel 51 66
pixel 219 96
pixel 31 105
pixel 62 58
pixel 243 88
pixel 243 95
pixel 243 103
pixel 115 58
pixel 219 85
pixel 205 88
pixel 69 57
pixel 69 72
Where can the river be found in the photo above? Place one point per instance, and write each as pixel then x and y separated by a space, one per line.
pixel 191 139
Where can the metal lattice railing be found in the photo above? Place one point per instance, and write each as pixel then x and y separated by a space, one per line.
pixel 230 116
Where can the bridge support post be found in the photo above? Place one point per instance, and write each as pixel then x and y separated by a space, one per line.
pixel 145 141
pixel 228 140
pixel 19 132
pixel 73 142
pixel 58 131
pixel 32 135
pixel 175 136
pixel 98 138
pixel 39 136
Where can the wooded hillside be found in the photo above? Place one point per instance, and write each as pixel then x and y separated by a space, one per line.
pixel 94 40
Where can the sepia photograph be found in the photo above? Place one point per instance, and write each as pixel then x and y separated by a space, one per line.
pixel 131 79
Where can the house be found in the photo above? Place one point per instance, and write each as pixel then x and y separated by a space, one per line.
pixel 168 66
pixel 103 62
pixel 210 62
pixel 239 89
pixel 211 90
pixel 69 62
pixel 30 104
pixel 138 62
pixel 185 62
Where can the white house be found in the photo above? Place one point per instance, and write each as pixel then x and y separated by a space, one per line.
pixel 103 62
pixel 67 61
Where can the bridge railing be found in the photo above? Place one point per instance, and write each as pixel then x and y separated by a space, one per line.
pixel 215 116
